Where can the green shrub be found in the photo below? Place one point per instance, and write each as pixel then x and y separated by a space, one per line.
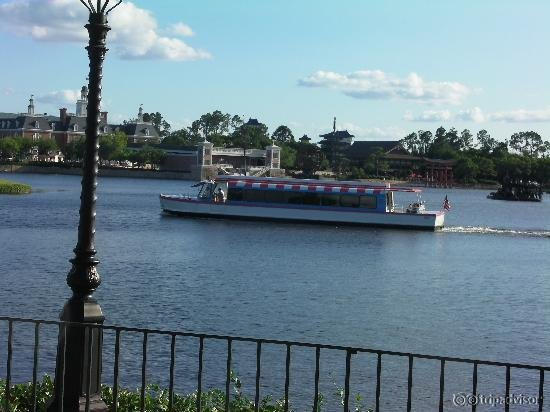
pixel 12 188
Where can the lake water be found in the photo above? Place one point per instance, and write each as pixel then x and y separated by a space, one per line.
pixel 480 288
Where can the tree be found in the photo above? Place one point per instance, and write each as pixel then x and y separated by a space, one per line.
pixel 75 150
pixel 162 126
pixel 111 145
pixel 466 140
pixel 527 143
pixel 309 159
pixel 466 170
pixel 485 142
pixel 181 138
pixel 288 157
pixel 452 138
pixel 251 136
pixel 45 146
pixel 411 143
pixel 425 139
pixel 9 147
pixel 440 134
pixel 283 134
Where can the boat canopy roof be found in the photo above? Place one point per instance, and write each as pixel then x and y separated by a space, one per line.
pixel 307 185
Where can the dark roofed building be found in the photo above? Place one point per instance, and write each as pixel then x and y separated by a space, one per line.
pixel 139 131
pixel 252 122
pixel 336 136
pixel 363 149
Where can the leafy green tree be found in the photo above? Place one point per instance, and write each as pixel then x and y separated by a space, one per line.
pixel 75 150
pixel 466 140
pixel 181 138
pixel 251 136
pixel 527 143
pixel 425 138
pixel 283 134
pixel 46 145
pixel 453 138
pixel 466 170
pixel 309 159
pixel 440 135
pixel 10 147
pixel 485 142
pixel 162 126
pixel 288 156
pixel 111 145
pixel 411 142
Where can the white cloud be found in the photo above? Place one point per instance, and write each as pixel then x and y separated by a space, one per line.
pixel 522 116
pixel 134 35
pixel 61 97
pixel 374 133
pixel 181 29
pixel 375 84
pixel 429 116
pixel 475 115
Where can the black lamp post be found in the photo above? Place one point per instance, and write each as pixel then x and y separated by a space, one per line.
pixel 78 364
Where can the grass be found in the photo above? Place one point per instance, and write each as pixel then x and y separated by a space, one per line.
pixel 13 188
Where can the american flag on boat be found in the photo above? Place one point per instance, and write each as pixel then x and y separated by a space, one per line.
pixel 446 204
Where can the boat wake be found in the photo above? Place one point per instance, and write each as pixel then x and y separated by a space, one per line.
pixel 496 231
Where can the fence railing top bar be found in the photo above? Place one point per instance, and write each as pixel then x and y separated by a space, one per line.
pixel 278 342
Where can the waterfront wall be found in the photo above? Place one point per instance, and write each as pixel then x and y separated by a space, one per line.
pixel 131 173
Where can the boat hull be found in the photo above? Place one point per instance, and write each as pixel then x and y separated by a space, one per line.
pixel 178 205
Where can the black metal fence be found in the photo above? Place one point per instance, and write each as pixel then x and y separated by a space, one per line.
pixel 289 347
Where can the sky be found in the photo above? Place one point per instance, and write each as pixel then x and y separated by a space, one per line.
pixel 383 68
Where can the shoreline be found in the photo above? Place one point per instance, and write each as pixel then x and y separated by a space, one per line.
pixel 157 174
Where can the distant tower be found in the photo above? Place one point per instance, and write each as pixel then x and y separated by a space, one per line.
pixel 82 103
pixel 30 108
pixel 140 114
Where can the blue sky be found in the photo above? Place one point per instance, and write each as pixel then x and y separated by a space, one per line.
pixel 383 68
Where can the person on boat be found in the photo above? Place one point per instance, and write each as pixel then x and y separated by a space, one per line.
pixel 220 196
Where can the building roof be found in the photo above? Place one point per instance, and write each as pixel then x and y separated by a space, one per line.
pixel 141 130
pixel 252 122
pixel 337 135
pixel 363 149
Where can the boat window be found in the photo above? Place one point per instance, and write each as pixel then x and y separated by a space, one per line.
pixel 294 198
pixel 254 196
pixel 311 199
pixel 329 200
pixel 276 197
pixel 349 201
pixel 368 201
pixel 235 194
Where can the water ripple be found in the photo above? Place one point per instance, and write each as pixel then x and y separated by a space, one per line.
pixel 496 231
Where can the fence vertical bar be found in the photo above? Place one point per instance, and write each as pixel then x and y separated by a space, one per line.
pixel 317 371
pixel 258 373
pixel 541 389
pixel 378 379
pixel 228 374
pixel 507 396
pixel 474 387
pixel 172 371
pixel 199 374
pixel 287 376
pixel 409 384
pixel 61 403
pixel 8 365
pixel 346 381
pixel 115 373
pixel 441 384
pixel 143 370
pixel 89 367
pixel 35 363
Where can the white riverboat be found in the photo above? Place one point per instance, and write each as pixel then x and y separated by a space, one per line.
pixel 313 201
